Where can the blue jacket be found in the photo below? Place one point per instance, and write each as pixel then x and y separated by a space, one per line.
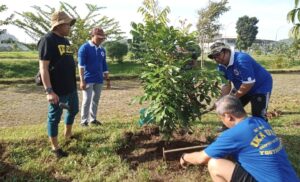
pixel 93 59
pixel 242 68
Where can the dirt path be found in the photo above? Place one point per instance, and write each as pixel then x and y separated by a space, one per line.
pixel 24 104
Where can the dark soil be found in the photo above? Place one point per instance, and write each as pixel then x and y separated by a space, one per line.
pixel 145 147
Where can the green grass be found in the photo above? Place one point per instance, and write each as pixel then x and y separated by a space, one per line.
pixel 19 55
pixel 16 68
pixel 27 68
pixel 272 62
pixel 24 65
pixel 92 157
pixel 126 68
pixel 25 151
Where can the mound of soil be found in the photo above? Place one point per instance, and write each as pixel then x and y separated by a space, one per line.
pixel 145 147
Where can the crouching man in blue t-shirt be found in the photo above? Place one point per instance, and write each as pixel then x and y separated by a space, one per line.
pixel 258 152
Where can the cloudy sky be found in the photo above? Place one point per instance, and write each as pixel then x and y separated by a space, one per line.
pixel 270 13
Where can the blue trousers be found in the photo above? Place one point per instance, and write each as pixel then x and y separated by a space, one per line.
pixel 55 112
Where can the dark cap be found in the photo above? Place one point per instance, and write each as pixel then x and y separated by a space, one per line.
pixel 216 48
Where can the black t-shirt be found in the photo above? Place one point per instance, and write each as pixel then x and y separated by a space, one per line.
pixel 62 67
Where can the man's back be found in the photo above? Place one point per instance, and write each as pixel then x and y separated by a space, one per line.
pixel 255 146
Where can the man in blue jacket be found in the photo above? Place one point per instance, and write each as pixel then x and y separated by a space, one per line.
pixel 252 83
pixel 258 153
pixel 92 71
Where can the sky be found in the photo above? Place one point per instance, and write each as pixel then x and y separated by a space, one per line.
pixel 271 14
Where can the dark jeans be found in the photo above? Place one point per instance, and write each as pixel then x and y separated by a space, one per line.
pixel 55 112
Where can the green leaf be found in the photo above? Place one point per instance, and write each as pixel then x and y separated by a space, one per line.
pixel 291 16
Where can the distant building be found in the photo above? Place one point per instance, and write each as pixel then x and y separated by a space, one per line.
pixel 9 42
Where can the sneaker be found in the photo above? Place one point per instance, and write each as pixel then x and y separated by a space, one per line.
pixel 59 153
pixel 84 124
pixel 96 123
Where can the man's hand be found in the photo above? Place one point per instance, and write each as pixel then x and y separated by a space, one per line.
pixel 184 164
pixel 194 158
pixel 52 98
pixel 225 89
pixel 82 85
pixel 108 86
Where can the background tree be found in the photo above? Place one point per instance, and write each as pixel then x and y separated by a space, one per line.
pixel 175 96
pixel 38 23
pixel 246 32
pixel 6 20
pixel 294 17
pixel 116 50
pixel 208 25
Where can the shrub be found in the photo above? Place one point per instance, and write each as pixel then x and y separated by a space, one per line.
pixel 116 50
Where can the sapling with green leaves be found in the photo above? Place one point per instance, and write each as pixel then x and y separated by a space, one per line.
pixel 177 96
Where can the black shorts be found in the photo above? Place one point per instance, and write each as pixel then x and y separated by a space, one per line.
pixel 241 175
pixel 259 104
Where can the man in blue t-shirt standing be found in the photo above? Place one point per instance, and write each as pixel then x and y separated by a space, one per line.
pixel 92 71
pixel 259 154
pixel 252 83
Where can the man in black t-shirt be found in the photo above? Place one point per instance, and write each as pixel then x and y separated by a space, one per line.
pixel 58 72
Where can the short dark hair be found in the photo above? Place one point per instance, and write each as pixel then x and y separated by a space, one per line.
pixel 230 104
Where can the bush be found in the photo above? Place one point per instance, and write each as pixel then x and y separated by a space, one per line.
pixel 116 50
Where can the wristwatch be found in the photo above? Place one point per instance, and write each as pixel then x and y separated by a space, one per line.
pixel 48 90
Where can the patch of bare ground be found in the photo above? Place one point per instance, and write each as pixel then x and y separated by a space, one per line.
pixel 24 104
pixel 145 148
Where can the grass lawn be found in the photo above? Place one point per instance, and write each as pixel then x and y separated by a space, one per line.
pixel 25 152
pixel 24 65
pixel 19 55
pixel 27 68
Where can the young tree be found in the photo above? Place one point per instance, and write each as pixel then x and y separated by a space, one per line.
pixel 247 30
pixel 176 96
pixel 294 17
pixel 6 20
pixel 151 12
pixel 38 23
pixel 208 26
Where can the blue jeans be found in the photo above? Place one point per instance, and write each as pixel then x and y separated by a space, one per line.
pixel 55 112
